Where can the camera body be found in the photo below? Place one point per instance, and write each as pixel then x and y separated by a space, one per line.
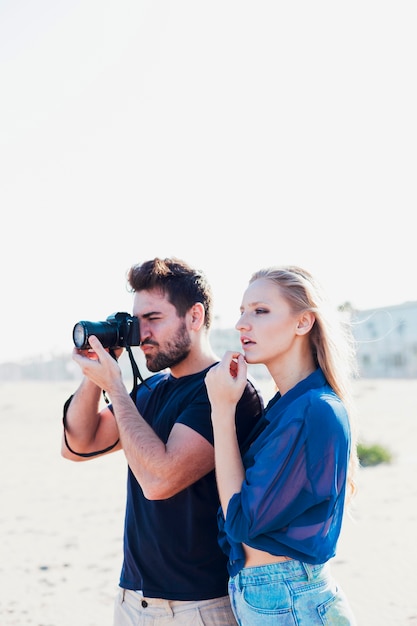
pixel 119 330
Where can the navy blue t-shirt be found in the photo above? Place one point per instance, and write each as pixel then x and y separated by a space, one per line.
pixel 171 547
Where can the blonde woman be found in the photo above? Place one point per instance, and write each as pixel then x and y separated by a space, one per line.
pixel 282 504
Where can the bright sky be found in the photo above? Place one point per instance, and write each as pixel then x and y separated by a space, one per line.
pixel 233 134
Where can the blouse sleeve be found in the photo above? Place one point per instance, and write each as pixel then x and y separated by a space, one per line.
pixel 292 480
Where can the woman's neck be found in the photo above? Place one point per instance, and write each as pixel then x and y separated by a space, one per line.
pixel 287 375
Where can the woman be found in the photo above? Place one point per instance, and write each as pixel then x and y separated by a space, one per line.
pixel 282 504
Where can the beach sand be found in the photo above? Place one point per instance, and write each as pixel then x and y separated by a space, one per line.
pixel 61 523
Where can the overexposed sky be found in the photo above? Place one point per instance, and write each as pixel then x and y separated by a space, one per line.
pixel 232 134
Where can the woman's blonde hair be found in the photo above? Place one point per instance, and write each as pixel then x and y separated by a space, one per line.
pixel 331 338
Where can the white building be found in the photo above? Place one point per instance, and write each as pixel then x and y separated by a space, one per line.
pixel 387 341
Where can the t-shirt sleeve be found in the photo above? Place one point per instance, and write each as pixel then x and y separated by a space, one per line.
pixel 249 411
pixel 197 414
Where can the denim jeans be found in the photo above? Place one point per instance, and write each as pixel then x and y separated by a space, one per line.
pixel 132 608
pixel 290 593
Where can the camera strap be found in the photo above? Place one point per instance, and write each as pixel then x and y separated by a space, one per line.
pixel 137 376
pixel 85 455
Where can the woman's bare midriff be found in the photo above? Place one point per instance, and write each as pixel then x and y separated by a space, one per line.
pixel 255 558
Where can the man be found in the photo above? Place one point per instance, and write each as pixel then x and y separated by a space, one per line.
pixel 173 567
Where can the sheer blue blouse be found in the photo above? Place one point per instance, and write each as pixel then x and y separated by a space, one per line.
pixel 292 498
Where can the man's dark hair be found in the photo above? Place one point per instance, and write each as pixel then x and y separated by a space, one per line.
pixel 180 283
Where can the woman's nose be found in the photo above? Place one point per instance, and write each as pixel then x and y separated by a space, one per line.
pixel 241 322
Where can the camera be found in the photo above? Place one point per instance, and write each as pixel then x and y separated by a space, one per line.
pixel 120 330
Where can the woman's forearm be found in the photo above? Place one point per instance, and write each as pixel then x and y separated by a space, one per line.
pixel 228 461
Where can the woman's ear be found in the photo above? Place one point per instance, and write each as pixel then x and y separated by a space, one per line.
pixel 305 323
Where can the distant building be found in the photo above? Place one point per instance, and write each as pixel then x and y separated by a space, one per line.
pixel 387 341
pixel 386 348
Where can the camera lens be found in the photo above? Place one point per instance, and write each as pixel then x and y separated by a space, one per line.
pixel 80 336
pixel 106 332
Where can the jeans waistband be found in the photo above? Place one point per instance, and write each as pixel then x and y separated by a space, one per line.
pixel 282 570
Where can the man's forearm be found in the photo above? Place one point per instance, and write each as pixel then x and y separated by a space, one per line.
pixel 82 415
pixel 145 451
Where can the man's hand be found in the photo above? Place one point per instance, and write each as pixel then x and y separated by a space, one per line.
pixel 98 365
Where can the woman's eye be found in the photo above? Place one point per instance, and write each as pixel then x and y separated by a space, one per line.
pixel 260 311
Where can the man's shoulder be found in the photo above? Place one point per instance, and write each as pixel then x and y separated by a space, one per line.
pixel 148 385
pixel 249 415
pixel 152 381
pixel 252 395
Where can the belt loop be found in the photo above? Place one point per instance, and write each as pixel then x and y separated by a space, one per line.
pixel 308 570
pixel 170 609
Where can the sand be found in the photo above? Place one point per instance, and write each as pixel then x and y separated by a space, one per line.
pixel 61 523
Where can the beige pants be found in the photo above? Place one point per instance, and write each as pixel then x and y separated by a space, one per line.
pixel 133 609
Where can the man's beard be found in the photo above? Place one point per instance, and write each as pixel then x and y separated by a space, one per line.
pixel 176 351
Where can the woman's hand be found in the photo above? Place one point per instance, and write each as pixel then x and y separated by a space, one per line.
pixel 225 384
pixel 226 381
